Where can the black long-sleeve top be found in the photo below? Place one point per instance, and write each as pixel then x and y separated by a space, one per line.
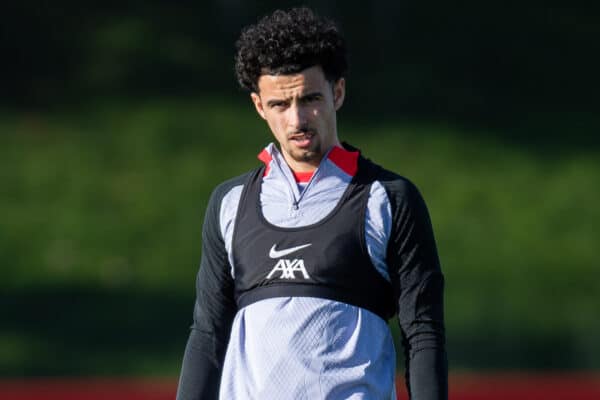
pixel 414 272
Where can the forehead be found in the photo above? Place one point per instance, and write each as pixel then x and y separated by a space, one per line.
pixel 309 80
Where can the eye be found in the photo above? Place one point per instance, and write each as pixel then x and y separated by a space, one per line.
pixel 312 98
pixel 278 105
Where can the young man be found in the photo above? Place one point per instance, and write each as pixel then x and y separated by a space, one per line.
pixel 306 258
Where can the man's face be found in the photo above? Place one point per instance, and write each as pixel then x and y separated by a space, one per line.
pixel 301 110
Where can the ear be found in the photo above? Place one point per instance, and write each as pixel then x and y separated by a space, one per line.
pixel 339 93
pixel 258 104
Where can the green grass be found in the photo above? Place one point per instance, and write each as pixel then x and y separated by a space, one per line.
pixel 112 197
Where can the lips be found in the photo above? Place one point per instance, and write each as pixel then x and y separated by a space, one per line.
pixel 303 140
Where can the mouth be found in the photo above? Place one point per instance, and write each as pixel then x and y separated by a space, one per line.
pixel 303 139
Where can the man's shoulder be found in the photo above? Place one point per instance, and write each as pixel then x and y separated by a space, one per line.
pixel 226 186
pixel 235 181
pixel 396 185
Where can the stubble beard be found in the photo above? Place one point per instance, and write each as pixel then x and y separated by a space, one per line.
pixel 311 154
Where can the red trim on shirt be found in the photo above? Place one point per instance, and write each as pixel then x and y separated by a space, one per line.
pixel 303 177
pixel 266 157
pixel 346 160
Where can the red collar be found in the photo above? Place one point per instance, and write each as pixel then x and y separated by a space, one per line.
pixel 345 160
pixel 303 177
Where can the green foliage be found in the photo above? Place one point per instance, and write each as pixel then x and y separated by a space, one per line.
pixel 107 203
pixel 114 197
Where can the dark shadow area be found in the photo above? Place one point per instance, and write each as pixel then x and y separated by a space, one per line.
pixel 527 71
pixel 489 350
pixel 92 331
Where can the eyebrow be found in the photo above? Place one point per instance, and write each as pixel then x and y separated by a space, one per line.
pixel 273 102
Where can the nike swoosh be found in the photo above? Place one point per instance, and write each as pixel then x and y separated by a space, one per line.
pixel 273 253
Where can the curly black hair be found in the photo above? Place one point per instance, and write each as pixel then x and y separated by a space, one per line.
pixel 288 42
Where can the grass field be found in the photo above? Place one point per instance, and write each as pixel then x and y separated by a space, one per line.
pixel 101 212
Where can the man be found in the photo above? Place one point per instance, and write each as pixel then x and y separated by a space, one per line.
pixel 306 258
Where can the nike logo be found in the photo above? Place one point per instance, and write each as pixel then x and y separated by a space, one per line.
pixel 273 253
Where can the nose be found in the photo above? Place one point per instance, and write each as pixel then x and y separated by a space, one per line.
pixel 298 116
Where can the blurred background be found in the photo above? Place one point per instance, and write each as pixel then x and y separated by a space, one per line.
pixel 118 119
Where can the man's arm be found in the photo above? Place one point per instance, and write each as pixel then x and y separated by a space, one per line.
pixel 418 285
pixel 214 311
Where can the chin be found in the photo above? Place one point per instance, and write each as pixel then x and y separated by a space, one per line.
pixel 311 155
